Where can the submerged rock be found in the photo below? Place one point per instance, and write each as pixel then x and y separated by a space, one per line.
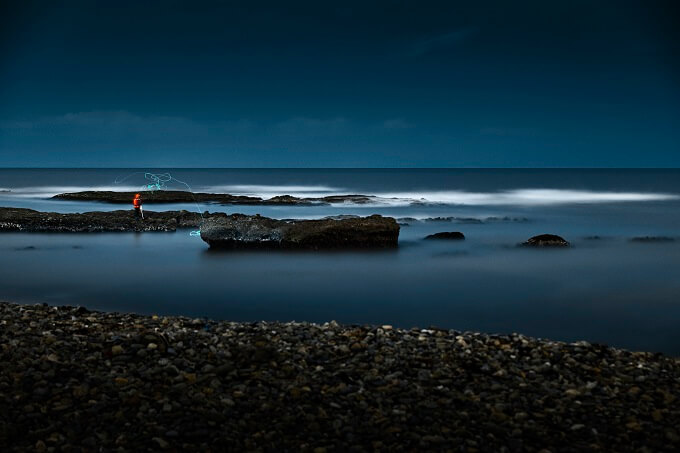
pixel 449 235
pixel 438 219
pixel 547 240
pixel 653 239
pixel 239 231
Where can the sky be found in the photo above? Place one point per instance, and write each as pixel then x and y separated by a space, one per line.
pixel 339 84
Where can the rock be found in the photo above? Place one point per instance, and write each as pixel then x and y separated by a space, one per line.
pixel 180 196
pixel 672 435
pixel 450 235
pixel 652 239
pixel 438 219
pixel 28 220
pixel 240 231
pixel 162 443
pixel 546 240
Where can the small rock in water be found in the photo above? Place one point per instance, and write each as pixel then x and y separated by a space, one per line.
pixel 546 240
pixel 653 239
pixel 450 235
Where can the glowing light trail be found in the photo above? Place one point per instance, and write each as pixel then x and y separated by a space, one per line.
pixel 159 181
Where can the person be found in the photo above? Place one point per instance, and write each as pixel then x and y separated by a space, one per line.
pixel 137 203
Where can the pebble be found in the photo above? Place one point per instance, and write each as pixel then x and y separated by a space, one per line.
pixel 180 384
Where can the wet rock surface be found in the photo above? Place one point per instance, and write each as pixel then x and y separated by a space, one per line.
pixel 179 196
pixel 546 240
pixel 240 231
pixel 19 219
pixel 447 235
pixel 81 381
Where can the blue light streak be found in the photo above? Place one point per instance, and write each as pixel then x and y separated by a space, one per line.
pixel 159 181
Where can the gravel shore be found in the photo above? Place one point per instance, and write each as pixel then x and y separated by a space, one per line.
pixel 75 380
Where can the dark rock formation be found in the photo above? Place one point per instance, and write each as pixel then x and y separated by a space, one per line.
pixel 449 235
pixel 507 219
pixel 179 196
pixel 438 219
pixel 240 231
pixel 547 240
pixel 653 239
pixel 18 219
pixel 467 220
pixel 236 231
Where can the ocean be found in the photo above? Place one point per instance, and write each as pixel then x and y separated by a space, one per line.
pixel 605 289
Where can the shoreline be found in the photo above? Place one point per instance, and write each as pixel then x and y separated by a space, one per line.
pixel 78 380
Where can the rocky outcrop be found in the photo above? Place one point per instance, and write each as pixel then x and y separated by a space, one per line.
pixel 219 230
pixel 179 196
pixel 240 231
pixel 18 219
pixel 447 235
pixel 546 240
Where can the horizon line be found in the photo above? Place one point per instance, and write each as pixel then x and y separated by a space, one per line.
pixel 339 168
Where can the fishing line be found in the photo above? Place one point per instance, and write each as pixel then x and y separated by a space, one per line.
pixel 159 181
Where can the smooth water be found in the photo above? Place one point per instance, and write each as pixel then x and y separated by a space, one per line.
pixel 607 289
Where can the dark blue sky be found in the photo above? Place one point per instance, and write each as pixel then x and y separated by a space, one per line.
pixel 325 84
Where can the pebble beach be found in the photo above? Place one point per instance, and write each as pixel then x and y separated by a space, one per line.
pixel 73 380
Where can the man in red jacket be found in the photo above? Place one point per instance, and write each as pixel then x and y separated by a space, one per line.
pixel 137 203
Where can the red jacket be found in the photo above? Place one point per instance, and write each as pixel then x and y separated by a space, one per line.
pixel 137 203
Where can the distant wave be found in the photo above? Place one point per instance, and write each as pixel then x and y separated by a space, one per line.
pixel 262 191
pixel 520 197
pixel 50 191
pixel 268 191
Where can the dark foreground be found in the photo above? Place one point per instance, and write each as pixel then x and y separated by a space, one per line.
pixel 73 380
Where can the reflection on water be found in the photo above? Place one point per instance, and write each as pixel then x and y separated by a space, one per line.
pixel 611 291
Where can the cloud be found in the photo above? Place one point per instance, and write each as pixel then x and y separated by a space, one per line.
pixel 440 42
pixel 124 128
pixel 397 123
pixel 103 124
pixel 119 137
pixel 509 131
pixel 301 127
